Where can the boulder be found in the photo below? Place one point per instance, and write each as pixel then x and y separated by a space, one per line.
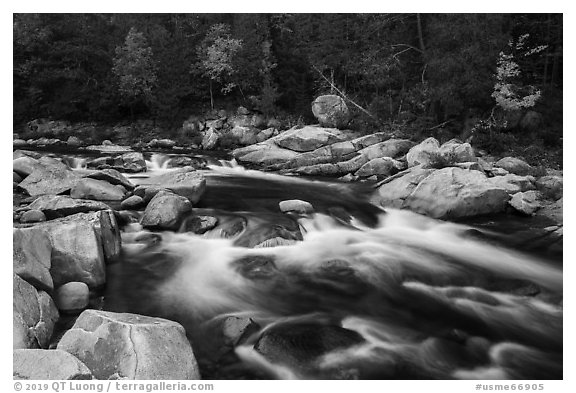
pixel 72 297
pixel 19 143
pixel 77 251
pixel 25 165
pixel 32 215
pixel 264 154
pixel 455 193
pixel 74 141
pixel 309 138
pixel 131 162
pixel 525 202
pixel 515 166
pixel 98 190
pixel 47 364
pixel 264 135
pixel 383 166
pixel 513 183
pixel 55 206
pixel 184 181
pixel 33 315
pixel 165 210
pixel 296 205
pixel 107 230
pixel 393 191
pixel 49 179
pixel 423 153
pixel 455 151
pixel 162 143
pixel 133 202
pixel 31 256
pixel 210 139
pixel 331 111
pixel 111 176
pixel 551 186
pixel 130 346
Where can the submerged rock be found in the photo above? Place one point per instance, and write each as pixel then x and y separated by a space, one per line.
pixel 130 346
pixel 47 364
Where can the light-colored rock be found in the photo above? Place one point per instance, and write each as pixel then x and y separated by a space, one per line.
pixel 331 111
pixel 512 183
pixel 309 138
pixel 33 315
pixel 31 256
pixel 383 166
pixel 165 210
pixel 133 202
pixel 49 179
pixel 19 142
pixel 498 171
pixel 389 148
pixel 200 224
pixel 55 206
pixel 108 232
pixel 30 216
pixel 111 176
pixel 130 346
pixel 25 165
pixel 393 191
pixel 98 190
pixel 72 297
pixel 515 166
pixel 454 193
pixel 73 141
pixel 47 364
pixel 525 202
pixel 423 153
pixel 186 182
pixel 264 154
pixel 456 151
pixel 131 162
pixel 109 147
pixel 296 205
pixel 210 139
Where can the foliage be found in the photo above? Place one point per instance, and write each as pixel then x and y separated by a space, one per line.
pixel 134 66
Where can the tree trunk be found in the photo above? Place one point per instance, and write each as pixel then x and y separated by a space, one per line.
pixel 211 96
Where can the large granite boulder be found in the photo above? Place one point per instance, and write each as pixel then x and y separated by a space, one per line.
pixel 111 176
pixel 264 154
pixel 331 111
pixel 47 364
pixel 32 251
pixel 98 190
pixel 130 346
pixel 445 193
pixel 184 181
pixel 165 210
pixel 455 151
pixel 515 165
pixel 49 178
pixel 525 202
pixel 423 153
pixel 33 315
pixel 308 138
pixel 55 206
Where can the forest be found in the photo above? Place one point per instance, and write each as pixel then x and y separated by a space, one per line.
pixel 416 72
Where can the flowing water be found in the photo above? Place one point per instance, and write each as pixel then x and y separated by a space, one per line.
pixel 350 291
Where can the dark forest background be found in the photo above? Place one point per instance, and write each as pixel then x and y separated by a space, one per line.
pixel 423 70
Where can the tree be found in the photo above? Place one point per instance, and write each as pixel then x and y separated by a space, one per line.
pixel 216 53
pixel 134 66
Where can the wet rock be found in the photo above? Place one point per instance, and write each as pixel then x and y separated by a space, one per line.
pixel 515 166
pixel 299 346
pixel 55 206
pixel 32 215
pixel 130 346
pixel 33 314
pixel 296 205
pixel 72 297
pixel 31 256
pixel 331 111
pixel 133 202
pixel 199 224
pixel 44 364
pixel 165 210
pixel 98 190
pixel 308 138
pixel 423 153
pixel 111 176
pixel 275 242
